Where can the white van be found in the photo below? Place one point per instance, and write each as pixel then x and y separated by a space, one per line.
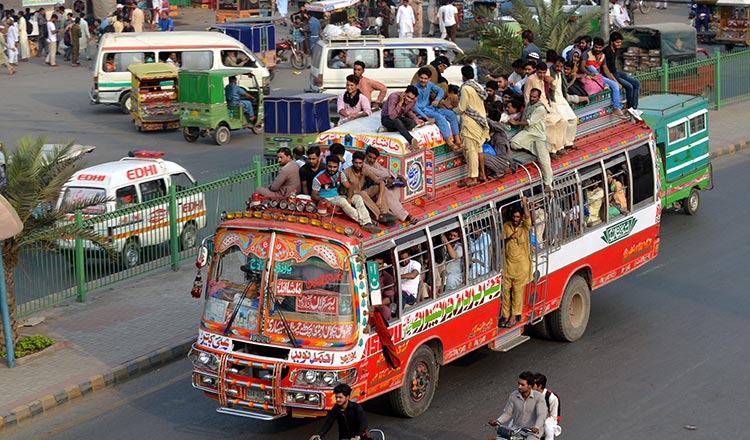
pixel 392 61
pixel 132 181
pixel 194 50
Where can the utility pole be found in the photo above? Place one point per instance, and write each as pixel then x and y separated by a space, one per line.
pixel 604 24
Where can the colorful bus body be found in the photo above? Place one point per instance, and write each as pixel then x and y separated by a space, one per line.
pixel 302 292
pixel 680 127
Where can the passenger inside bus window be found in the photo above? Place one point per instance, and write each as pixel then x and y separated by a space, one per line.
pixel 454 270
pixel 409 270
pixel 338 61
pixel 593 195
pixel 572 216
pixel 389 307
pixel 618 203
pixel 149 57
pixel 388 60
pixel 480 251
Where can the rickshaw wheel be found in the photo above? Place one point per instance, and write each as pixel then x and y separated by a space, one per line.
pixel 191 134
pixel 257 129
pixel 222 135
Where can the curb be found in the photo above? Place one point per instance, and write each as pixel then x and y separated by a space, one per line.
pixel 117 375
pixel 733 148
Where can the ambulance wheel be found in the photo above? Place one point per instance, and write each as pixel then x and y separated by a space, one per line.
pixel 568 323
pixel 415 394
pixel 130 256
pixel 191 134
pixel 222 135
pixel 692 203
pixel 189 236
pixel 126 103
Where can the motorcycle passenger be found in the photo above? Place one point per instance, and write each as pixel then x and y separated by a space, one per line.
pixel 551 424
pixel 525 408
pixel 349 415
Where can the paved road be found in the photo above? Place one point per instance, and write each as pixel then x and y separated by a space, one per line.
pixel 658 356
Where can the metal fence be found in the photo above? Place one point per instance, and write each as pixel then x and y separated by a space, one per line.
pixel 157 233
pixel 720 78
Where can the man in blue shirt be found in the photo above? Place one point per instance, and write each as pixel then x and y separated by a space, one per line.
pixel 234 95
pixel 166 24
pixel 445 119
pixel 313 27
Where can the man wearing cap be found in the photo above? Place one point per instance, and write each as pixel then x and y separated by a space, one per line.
pixel 437 67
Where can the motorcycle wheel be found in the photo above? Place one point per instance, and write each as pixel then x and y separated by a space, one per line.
pixel 298 60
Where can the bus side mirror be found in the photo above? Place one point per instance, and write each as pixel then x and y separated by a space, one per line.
pixel 373 280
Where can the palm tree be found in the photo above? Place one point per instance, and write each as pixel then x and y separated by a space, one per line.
pixel 555 25
pixel 34 179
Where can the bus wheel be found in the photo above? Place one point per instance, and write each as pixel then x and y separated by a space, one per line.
pixel 415 394
pixel 126 103
pixel 540 330
pixel 222 135
pixel 189 236
pixel 692 203
pixel 130 256
pixel 569 321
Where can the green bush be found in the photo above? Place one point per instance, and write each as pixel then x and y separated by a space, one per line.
pixel 29 345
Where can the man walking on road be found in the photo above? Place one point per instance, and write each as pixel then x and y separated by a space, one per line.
pixel 52 33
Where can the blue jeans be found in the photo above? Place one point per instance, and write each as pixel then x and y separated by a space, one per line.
pixel 632 88
pixel 613 85
pixel 248 107
pixel 445 119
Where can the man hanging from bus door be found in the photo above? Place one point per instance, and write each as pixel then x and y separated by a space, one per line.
pixel 517 268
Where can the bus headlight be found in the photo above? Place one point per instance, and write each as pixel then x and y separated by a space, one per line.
pixel 325 378
pixel 329 378
pixel 310 376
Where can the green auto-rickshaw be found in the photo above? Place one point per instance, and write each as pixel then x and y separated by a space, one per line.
pixel 203 105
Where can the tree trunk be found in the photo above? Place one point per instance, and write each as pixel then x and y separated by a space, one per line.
pixel 10 261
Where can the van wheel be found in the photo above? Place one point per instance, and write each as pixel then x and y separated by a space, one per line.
pixel 130 256
pixel 415 394
pixel 222 135
pixel 126 103
pixel 569 321
pixel 189 236
pixel 692 203
pixel 191 134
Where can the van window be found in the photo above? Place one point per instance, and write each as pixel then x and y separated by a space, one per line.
pixel 408 58
pixel 153 189
pixel 451 54
pixel 77 195
pixel 126 196
pixel 371 57
pixel 122 60
pixel 197 60
pixel 182 181
pixel 241 59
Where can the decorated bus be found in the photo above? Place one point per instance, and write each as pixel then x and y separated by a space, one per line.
pixel 295 294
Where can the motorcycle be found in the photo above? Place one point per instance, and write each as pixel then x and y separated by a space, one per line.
pixel 372 434
pixel 507 433
pixel 297 57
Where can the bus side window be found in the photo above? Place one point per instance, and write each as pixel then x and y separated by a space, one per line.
pixel 481 239
pixel 449 250
pixel 594 207
pixel 153 189
pixel 415 274
pixel 642 175
pixel 617 186
pixel 568 213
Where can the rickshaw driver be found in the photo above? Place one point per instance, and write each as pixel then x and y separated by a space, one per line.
pixel 234 95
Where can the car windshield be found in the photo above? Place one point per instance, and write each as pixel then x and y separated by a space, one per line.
pixel 77 194
pixel 307 286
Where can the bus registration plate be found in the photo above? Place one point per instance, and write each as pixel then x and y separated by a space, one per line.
pixel 253 395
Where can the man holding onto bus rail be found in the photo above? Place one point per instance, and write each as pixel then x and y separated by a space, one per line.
pixel 349 415
pixel 525 408
pixel 517 269
pixel 326 186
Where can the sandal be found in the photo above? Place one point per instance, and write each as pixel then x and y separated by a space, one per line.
pixel 412 220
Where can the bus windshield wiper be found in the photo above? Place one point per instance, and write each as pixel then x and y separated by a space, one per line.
pixel 237 306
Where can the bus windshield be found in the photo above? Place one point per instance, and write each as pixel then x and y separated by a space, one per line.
pixel 303 292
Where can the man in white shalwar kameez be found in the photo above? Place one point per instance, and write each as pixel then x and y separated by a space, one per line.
pixel 11 39
pixel 560 99
pixel 405 20
pixel 83 42
pixel 23 39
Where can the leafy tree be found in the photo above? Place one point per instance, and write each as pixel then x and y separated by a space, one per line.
pixel 35 178
pixel 554 27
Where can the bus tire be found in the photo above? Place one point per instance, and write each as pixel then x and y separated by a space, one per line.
pixel 540 330
pixel 692 203
pixel 568 323
pixel 130 255
pixel 126 103
pixel 415 394
pixel 222 135
pixel 189 236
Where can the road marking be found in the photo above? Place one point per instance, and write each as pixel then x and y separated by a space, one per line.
pixel 105 409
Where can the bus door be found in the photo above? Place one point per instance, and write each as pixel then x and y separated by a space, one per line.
pixel 539 209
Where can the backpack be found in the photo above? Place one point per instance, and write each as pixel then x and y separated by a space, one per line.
pixel 29 27
pixel 547 393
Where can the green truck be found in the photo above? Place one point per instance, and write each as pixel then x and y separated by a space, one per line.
pixel 680 127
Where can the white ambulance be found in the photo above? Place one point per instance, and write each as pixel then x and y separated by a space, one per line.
pixel 135 181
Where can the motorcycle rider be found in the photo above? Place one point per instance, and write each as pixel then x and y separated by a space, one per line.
pixel 525 407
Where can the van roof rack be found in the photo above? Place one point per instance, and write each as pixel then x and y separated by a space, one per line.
pixel 348 39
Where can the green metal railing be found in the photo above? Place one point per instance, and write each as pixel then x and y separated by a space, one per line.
pixel 72 268
pixel 721 78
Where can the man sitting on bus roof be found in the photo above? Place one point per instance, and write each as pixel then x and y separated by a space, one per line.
pixel 393 192
pixel 533 136
pixel 234 95
pixel 287 181
pixel 398 114
pixel 368 85
pixel 326 187
pixel 370 187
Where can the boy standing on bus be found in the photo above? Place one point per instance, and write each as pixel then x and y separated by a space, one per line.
pixel 517 270
pixel 326 186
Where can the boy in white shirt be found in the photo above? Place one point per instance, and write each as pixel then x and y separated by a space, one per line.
pixel 551 427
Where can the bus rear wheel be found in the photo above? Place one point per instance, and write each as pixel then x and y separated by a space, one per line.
pixel 415 394
pixel 692 203
pixel 568 323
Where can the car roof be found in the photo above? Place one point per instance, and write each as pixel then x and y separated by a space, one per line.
pixel 116 174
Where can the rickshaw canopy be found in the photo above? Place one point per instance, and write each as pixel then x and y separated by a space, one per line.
pixel 153 70
pixel 206 86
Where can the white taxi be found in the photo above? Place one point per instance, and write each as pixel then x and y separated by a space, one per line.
pixel 131 184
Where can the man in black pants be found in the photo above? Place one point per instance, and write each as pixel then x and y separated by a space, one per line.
pixel 398 114
pixel 349 415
